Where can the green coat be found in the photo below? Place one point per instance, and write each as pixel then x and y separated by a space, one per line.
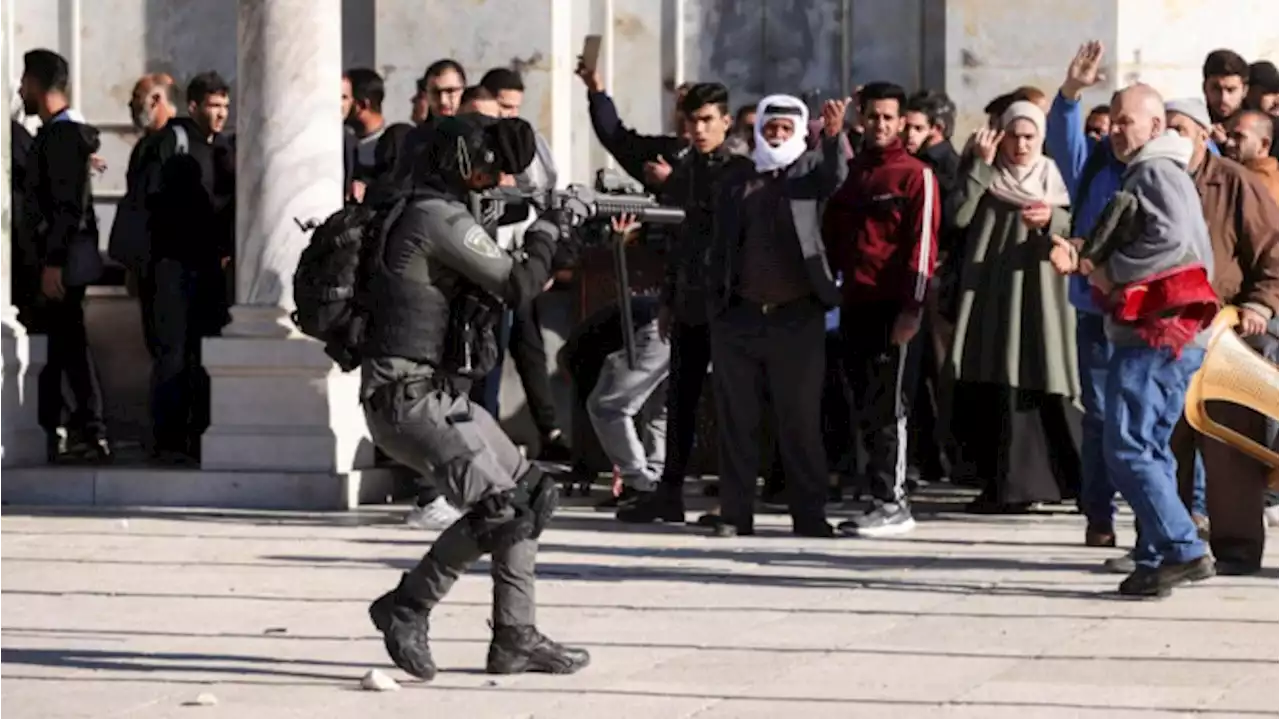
pixel 1015 325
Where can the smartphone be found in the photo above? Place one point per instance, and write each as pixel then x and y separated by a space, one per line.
pixel 591 52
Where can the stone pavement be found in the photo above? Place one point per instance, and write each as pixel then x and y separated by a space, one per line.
pixel 135 613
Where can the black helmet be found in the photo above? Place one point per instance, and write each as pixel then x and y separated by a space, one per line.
pixel 464 145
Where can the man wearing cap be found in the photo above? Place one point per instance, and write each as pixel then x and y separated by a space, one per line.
pixel 1264 95
pixel 1242 222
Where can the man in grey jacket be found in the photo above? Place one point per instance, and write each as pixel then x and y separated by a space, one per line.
pixel 1153 228
pixel 769 289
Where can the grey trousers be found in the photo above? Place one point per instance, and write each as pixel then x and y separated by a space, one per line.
pixel 443 434
pixel 628 409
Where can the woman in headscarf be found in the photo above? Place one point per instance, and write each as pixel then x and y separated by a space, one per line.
pixel 1014 354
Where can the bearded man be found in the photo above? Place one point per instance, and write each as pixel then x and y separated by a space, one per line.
pixel 771 290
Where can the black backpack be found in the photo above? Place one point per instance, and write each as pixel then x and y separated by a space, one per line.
pixel 333 273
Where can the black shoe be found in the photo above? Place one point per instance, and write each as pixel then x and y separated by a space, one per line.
pixel 1120 565
pixel 665 504
pixel 1099 536
pixel 720 527
pixel 99 452
pixel 627 498
pixel 816 527
pixel 1147 582
pixel 555 450
pixel 885 519
pixel 404 630
pixel 516 650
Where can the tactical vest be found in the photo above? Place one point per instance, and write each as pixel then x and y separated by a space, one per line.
pixel 409 310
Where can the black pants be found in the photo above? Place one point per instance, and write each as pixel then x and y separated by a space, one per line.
pixel 835 419
pixel 690 356
pixel 529 353
pixel 880 375
pixel 772 360
pixel 69 360
pixel 184 303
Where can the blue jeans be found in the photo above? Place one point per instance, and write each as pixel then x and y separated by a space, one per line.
pixel 1097 493
pixel 1146 391
pixel 1198 505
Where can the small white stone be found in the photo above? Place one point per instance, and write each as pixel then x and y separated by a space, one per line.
pixel 376 681
pixel 124 524
pixel 204 700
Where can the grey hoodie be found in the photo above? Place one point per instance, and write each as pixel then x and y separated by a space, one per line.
pixel 1153 224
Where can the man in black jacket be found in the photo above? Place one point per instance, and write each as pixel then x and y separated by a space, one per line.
pixel 647 158
pixel 692 183
pixel 63 233
pixel 769 287
pixel 190 181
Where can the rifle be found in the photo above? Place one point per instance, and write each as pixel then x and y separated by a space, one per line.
pixel 579 205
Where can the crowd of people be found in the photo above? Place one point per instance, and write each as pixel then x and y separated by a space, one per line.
pixel 879 305
pixel 962 336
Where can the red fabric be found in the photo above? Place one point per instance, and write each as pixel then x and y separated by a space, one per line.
pixel 1167 309
pixel 881 227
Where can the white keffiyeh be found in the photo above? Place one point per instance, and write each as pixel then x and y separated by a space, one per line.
pixel 767 157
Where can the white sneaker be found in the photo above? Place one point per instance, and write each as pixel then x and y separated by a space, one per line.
pixel 437 515
pixel 1271 516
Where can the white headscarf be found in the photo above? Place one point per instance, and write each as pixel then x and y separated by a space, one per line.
pixel 770 158
pixel 1036 182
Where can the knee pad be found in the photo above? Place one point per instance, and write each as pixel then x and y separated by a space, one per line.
pixel 493 521
pixel 542 496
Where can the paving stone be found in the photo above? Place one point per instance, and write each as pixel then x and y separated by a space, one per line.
pixel 967 617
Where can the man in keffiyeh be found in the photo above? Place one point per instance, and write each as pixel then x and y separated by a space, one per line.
pixel 1150 260
pixel 770 288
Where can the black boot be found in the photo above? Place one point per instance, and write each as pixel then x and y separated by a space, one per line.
pixel 664 504
pixel 520 649
pixel 404 628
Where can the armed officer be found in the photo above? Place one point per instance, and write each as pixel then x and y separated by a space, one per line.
pixel 435 297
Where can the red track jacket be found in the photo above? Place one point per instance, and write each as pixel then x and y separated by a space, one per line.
pixel 881 228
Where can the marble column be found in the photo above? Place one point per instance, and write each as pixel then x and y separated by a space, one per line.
pixel 278 402
pixel 21 439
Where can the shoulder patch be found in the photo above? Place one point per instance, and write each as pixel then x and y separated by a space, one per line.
pixel 479 242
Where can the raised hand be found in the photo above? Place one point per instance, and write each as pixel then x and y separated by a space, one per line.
pixel 657 172
pixel 1085 70
pixel 985 144
pixel 590 78
pixel 833 112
